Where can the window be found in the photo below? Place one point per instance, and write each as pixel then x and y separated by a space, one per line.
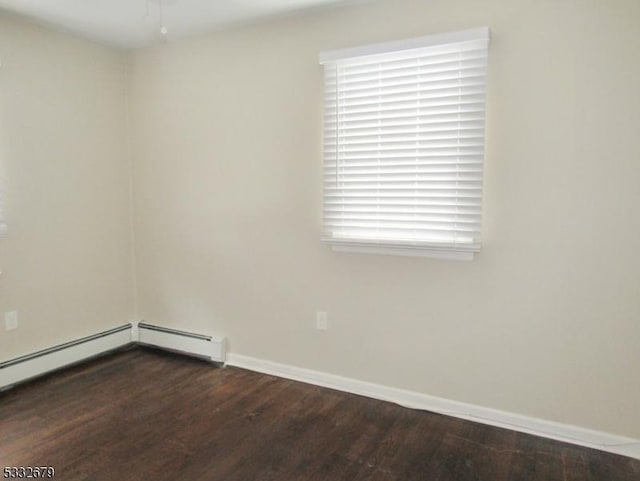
pixel 404 136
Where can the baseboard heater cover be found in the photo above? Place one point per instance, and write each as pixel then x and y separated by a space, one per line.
pixel 41 362
pixel 208 347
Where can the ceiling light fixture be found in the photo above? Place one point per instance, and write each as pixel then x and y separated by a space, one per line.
pixel 163 28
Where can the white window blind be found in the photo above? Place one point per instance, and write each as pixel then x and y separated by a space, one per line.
pixel 404 133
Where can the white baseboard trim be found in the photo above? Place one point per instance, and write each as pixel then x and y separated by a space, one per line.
pixel 562 432
pixel 32 365
pixel 208 347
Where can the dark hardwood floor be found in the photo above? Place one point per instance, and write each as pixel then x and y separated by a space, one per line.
pixel 147 415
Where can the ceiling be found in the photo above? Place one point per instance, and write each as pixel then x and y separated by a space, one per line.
pixel 136 23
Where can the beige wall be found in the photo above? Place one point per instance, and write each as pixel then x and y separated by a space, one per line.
pixel 545 322
pixel 67 259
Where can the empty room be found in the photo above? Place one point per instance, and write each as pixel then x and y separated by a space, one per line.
pixel 320 240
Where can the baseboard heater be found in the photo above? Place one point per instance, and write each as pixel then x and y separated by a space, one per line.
pixel 41 362
pixel 208 347
pixel 30 366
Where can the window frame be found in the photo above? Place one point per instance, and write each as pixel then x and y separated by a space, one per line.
pixel 458 250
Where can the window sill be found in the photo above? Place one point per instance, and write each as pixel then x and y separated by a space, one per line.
pixel 435 251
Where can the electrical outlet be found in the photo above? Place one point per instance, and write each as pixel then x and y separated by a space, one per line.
pixel 10 320
pixel 322 321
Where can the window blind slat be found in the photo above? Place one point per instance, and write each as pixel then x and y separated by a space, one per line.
pixel 442 213
pixel 399 206
pixel 471 60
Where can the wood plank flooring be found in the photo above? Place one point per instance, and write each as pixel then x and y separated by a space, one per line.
pixel 147 415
